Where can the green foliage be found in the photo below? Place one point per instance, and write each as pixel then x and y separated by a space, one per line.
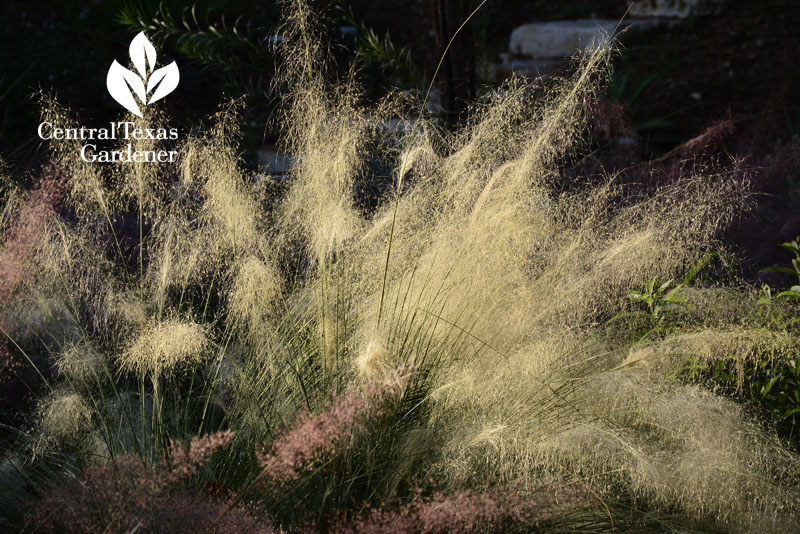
pixel 771 385
pixel 620 92
pixel 239 50
pixel 656 299
pixel 381 52
pixel 792 291
pixel 766 381
pixel 242 51
pixel 780 314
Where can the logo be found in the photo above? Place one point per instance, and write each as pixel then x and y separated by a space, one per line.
pixel 148 85
pixel 131 90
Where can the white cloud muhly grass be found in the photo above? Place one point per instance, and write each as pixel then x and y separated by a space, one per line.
pixel 80 363
pixel 497 277
pixel 63 418
pixel 165 346
pixel 253 294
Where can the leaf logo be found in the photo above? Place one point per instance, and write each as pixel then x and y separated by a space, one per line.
pixel 123 83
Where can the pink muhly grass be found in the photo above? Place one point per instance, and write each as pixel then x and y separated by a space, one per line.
pixel 17 249
pixel 129 493
pixel 314 435
pixel 463 511
pixel 20 243
pixel 709 141
pixel 185 461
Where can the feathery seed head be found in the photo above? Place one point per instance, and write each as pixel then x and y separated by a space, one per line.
pixel 255 288
pixel 374 359
pixel 80 363
pixel 165 346
pixel 64 417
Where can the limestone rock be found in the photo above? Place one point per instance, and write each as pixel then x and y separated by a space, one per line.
pixel 559 38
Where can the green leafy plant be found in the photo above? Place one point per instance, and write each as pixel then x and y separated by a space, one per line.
pixel 793 290
pixel 778 313
pixel 242 50
pixel 620 91
pixel 381 51
pixel 656 298
pixel 770 384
